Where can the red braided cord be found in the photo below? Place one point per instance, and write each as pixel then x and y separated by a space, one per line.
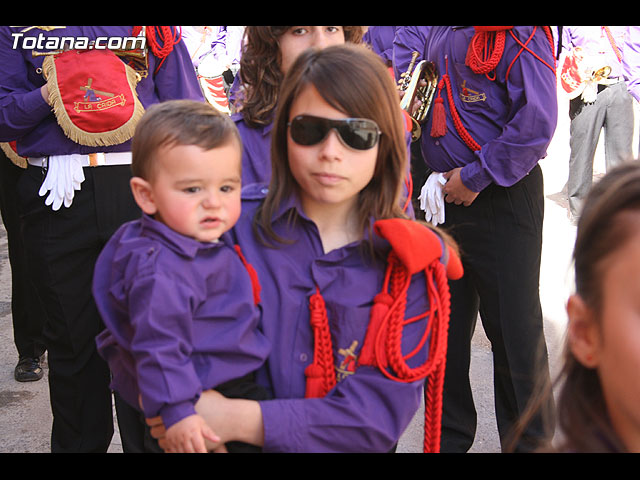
pixel 549 35
pixel 161 40
pixel 253 275
pixel 485 51
pixel 389 343
pixel 321 375
pixel 408 181
pixel 433 391
pixel 524 47
pixel 473 57
pixel 612 41
pixel 457 122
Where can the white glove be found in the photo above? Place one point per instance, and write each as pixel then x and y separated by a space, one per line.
pixel 64 176
pixel 590 92
pixel 432 198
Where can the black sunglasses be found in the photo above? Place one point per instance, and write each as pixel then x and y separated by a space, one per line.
pixel 357 133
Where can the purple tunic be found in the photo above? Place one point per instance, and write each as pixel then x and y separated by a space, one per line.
pixel 256 151
pixel 594 42
pixel 380 37
pixel 365 411
pixel 25 115
pixel 179 317
pixel 513 121
pixel 631 61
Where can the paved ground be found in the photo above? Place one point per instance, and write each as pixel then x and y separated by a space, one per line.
pixel 25 418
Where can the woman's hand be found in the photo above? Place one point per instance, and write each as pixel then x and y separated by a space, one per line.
pixel 231 419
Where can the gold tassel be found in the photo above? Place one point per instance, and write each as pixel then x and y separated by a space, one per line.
pixel 13 156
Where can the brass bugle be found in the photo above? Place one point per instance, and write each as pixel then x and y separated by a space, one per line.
pixel 411 82
pixel 138 53
pixel 137 58
pixel 601 73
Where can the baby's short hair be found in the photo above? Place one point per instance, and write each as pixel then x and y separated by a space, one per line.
pixel 178 122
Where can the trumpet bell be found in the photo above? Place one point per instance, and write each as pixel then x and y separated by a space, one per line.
pixel 419 84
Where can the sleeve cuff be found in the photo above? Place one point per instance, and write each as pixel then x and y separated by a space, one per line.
pixel 283 423
pixel 35 104
pixel 174 413
pixel 475 176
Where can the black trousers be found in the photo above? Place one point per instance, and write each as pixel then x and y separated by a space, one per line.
pixel 27 312
pixel 500 236
pixel 62 247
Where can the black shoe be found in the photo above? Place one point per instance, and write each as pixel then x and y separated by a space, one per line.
pixel 28 370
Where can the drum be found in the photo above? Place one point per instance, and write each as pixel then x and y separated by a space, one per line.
pixel 209 72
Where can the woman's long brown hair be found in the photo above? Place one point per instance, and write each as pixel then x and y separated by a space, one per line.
pixel 603 228
pixel 355 81
pixel 260 71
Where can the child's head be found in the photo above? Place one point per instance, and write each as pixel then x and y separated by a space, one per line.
pixel 340 82
pixel 602 385
pixel 187 168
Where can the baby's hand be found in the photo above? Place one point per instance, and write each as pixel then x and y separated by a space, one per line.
pixel 188 436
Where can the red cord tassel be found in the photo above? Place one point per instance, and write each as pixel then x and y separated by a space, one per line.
pixel 379 311
pixel 253 275
pixel 321 375
pixel 439 119
pixel 315 381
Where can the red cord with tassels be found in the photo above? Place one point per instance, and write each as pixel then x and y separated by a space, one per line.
pixel 321 374
pixel 253 275
pixel 612 41
pixel 438 125
pixel 483 56
pixel 485 49
pixel 415 248
pixel 161 40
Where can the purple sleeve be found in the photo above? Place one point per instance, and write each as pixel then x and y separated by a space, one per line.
pixel 408 40
pixel 176 78
pixel 161 345
pixel 22 107
pixel 364 413
pixel 631 61
pixel 530 121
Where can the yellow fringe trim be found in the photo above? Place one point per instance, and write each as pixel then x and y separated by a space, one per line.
pixel 92 139
pixel 13 156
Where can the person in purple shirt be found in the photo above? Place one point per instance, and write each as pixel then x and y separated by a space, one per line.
pixel 199 40
pixel 488 127
pixel 380 38
pixel 318 243
pixel 267 54
pixel 66 226
pixel 176 299
pixel 631 60
pixel 609 107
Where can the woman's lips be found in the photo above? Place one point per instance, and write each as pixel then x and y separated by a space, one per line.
pixel 328 178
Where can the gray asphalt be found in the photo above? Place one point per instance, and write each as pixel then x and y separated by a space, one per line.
pixel 25 417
